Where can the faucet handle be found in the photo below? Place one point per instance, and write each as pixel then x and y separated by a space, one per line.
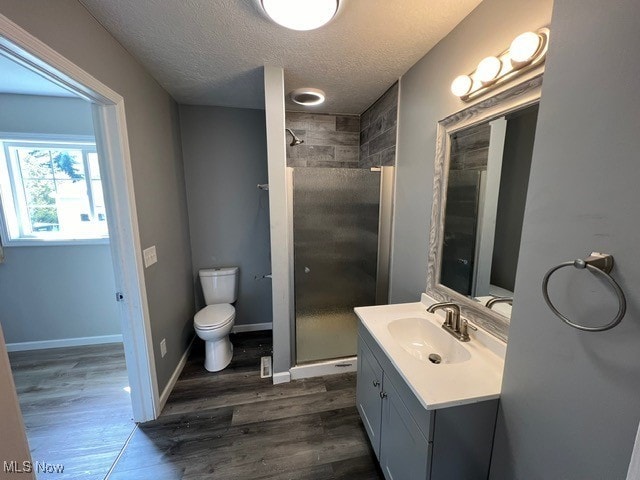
pixel 464 325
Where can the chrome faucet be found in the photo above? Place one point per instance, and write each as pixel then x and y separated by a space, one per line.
pixel 495 300
pixel 453 323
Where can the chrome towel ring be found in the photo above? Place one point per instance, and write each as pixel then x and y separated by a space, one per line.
pixel 600 264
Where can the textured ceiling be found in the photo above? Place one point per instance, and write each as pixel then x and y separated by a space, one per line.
pixel 211 52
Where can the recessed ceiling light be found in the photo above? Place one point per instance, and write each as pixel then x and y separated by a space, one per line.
pixel 307 96
pixel 301 14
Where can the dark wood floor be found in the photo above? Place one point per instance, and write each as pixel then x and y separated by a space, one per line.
pixel 235 425
pixel 75 408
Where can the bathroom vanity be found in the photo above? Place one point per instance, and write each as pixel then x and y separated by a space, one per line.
pixel 427 420
pixel 428 395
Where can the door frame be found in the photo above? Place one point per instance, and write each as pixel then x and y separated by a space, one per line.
pixel 117 177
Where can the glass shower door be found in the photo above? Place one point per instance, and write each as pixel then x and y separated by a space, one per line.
pixel 335 229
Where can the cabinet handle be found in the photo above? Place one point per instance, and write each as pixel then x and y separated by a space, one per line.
pixel 376 383
pixel 383 394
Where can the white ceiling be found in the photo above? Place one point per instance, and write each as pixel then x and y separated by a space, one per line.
pixel 211 52
pixel 14 78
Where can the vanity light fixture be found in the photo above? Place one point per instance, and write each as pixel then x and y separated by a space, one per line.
pixel 488 70
pixel 301 14
pixel 307 96
pixel 524 48
pixel 527 51
pixel 461 85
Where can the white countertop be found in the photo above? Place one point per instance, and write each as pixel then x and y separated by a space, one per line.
pixel 444 385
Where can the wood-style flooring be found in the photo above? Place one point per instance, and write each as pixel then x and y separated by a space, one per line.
pixel 75 407
pixel 235 425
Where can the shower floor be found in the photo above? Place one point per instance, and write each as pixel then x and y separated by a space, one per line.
pixel 326 336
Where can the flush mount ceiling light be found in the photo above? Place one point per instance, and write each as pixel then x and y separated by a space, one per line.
pixel 527 51
pixel 301 14
pixel 307 96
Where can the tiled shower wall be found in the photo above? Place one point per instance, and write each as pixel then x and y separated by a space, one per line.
pixel 378 125
pixel 351 141
pixel 470 148
pixel 329 140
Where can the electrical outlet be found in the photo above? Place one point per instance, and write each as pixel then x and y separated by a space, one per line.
pixel 163 347
pixel 150 256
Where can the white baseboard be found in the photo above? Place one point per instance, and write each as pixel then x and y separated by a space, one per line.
pixel 281 377
pixel 252 327
pixel 63 342
pixel 319 369
pixel 164 396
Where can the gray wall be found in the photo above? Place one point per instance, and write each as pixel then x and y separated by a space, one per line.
pixel 54 292
pixel 425 98
pixel 280 229
pixel 158 173
pixel 225 157
pixel 57 292
pixel 329 140
pixel 571 400
pixel 38 114
pixel 378 127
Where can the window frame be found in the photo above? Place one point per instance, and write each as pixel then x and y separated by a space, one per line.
pixel 85 143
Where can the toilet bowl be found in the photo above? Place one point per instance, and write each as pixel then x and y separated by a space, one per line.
pixel 214 323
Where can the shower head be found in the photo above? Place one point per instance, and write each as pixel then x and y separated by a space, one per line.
pixel 295 140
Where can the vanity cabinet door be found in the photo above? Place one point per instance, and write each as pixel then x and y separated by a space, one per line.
pixel 368 390
pixel 404 451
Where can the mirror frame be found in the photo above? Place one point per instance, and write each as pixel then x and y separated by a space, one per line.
pixel 515 98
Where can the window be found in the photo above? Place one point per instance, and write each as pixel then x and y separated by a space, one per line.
pixel 51 191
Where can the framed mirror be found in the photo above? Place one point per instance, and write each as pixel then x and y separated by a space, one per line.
pixel 482 165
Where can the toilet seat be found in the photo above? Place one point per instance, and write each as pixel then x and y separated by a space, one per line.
pixel 213 317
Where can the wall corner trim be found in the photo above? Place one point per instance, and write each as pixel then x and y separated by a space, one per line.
pixel 281 377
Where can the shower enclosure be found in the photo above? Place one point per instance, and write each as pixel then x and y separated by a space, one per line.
pixel 340 180
pixel 335 231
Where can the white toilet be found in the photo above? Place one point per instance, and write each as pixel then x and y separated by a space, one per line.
pixel 214 322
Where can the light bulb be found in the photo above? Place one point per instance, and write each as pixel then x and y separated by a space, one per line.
pixel 488 69
pixel 301 14
pixel 524 48
pixel 461 85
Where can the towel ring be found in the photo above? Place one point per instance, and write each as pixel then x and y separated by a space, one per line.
pixel 600 264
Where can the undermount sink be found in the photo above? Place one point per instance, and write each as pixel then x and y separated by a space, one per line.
pixel 427 342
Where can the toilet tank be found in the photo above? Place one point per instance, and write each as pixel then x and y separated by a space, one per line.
pixel 219 285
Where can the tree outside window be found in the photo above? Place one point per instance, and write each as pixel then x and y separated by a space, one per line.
pixel 56 191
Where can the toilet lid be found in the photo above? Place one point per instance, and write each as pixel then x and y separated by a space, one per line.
pixel 214 316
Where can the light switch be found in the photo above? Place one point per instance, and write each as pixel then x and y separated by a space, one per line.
pixel 150 256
